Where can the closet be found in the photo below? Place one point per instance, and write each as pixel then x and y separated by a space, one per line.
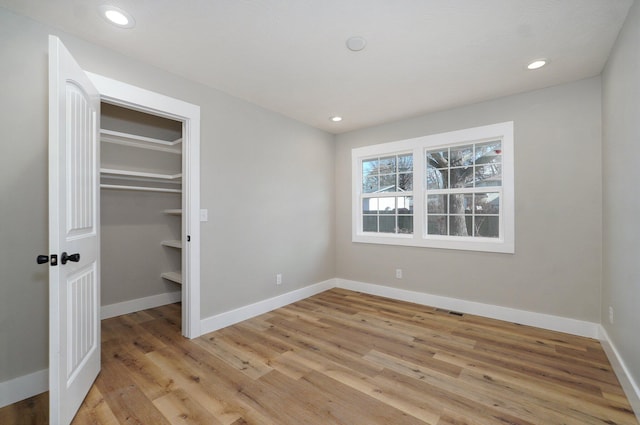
pixel 141 199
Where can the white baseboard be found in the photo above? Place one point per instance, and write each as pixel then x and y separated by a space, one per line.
pixel 630 387
pixel 22 387
pixel 229 318
pixel 539 320
pixel 131 306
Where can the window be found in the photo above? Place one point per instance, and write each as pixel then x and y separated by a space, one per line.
pixel 451 190
pixel 387 194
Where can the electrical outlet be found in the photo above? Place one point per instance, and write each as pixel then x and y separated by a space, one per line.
pixel 611 315
pixel 398 273
pixel 279 279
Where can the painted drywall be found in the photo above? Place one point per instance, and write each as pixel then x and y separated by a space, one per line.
pixel 621 173
pixel 268 182
pixel 132 257
pixel 556 267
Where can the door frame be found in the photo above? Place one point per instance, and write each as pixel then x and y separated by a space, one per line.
pixel 139 99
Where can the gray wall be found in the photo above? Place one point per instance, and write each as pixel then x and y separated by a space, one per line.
pixel 261 173
pixel 132 257
pixel 621 203
pixel 557 265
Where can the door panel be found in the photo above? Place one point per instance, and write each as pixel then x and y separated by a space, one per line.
pixel 74 293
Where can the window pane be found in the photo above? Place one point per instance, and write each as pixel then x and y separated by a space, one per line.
pixel 437 204
pixel 460 203
pixel 369 167
pixel 461 177
pixel 461 155
pixel 460 225
pixel 370 205
pixel 387 205
pixel 387 224
pixel 387 165
pixel 489 153
pixel 405 205
pixel 388 183
pixel 437 225
pixel 370 223
pixel 487 226
pixel 405 182
pixel 438 158
pixel 405 224
pixel 488 175
pixel 487 203
pixel 437 179
pixel 370 185
pixel 405 163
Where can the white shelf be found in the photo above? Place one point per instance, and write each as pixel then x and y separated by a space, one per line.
pixel 141 175
pixel 173 211
pixel 173 277
pixel 139 188
pixel 172 244
pixel 126 139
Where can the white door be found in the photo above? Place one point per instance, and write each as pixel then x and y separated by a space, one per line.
pixel 74 294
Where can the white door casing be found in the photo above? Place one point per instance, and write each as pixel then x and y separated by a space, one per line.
pixel 143 100
pixel 74 292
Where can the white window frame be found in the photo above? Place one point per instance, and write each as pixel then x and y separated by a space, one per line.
pixel 505 243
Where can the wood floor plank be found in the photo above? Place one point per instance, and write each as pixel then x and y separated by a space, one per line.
pixel 180 408
pixel 31 411
pixel 342 357
pixel 95 410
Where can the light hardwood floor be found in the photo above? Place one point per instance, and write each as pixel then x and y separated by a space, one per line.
pixel 342 357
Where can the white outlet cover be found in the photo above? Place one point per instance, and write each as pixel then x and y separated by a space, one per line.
pixel 204 215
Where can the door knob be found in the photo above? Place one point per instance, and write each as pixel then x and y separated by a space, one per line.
pixel 73 257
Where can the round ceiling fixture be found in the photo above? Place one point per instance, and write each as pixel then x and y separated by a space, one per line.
pixel 537 64
pixel 336 118
pixel 116 16
pixel 355 44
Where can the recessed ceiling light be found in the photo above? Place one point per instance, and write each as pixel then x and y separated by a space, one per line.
pixel 336 118
pixel 537 64
pixel 116 16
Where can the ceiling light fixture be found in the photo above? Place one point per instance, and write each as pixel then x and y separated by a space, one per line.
pixel 116 16
pixel 537 64
pixel 336 118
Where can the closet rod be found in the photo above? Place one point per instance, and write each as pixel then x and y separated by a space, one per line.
pixel 139 188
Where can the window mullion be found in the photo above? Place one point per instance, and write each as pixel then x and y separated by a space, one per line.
pixel 419 202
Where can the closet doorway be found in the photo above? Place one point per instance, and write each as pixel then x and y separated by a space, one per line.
pixel 150 198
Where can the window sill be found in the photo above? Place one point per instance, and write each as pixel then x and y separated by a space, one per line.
pixel 470 244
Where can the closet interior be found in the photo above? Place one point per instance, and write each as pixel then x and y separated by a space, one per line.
pixel 141 199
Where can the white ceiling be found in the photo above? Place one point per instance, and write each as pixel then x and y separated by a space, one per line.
pixel 289 56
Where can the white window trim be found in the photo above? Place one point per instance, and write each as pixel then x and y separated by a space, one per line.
pixel 418 146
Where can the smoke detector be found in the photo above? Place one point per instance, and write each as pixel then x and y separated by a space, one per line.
pixel 355 44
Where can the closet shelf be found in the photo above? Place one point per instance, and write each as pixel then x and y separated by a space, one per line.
pixel 133 140
pixel 173 276
pixel 172 244
pixel 132 175
pixel 173 211
pixel 139 188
